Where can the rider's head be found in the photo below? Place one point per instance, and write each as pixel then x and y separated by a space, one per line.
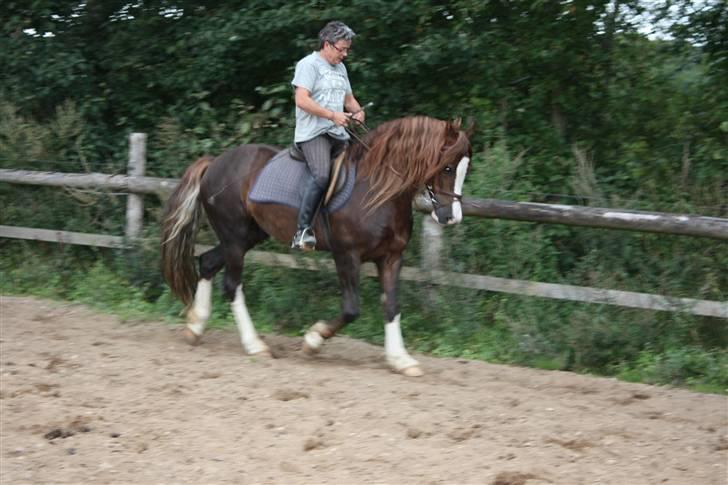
pixel 334 32
pixel 335 41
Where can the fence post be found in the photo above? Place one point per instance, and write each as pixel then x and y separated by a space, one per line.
pixel 136 167
pixel 431 244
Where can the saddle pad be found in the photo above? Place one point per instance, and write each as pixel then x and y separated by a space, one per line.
pixel 282 182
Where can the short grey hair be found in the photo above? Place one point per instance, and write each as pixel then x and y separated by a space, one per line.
pixel 334 32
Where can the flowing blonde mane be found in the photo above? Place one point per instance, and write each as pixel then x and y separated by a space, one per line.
pixel 406 153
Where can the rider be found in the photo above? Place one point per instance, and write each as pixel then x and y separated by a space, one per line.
pixel 323 93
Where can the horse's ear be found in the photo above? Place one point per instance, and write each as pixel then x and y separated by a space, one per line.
pixel 470 128
pixel 455 124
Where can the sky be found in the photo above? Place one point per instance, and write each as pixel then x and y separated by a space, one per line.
pixel 647 23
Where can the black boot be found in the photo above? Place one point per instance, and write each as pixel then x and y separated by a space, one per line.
pixel 304 238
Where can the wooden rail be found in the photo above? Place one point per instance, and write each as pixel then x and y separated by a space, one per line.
pixel 678 224
pixel 125 183
pixel 656 222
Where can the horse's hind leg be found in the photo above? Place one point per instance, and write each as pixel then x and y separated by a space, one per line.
pixel 233 289
pixel 347 268
pixel 198 313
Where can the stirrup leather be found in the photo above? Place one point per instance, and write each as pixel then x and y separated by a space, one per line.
pixel 304 240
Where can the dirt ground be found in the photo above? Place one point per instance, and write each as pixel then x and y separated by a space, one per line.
pixel 87 399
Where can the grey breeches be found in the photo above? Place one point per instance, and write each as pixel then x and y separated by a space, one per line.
pixel 319 152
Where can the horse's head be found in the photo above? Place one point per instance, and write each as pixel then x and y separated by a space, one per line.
pixel 444 188
pixel 413 152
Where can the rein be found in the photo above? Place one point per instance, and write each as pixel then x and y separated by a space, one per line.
pixel 354 135
pixel 361 125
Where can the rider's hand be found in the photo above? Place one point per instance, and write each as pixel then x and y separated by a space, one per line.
pixel 340 118
pixel 359 116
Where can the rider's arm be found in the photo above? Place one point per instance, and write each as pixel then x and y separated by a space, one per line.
pixel 351 105
pixel 306 103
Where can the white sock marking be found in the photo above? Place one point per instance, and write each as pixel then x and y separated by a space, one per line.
pixel 313 337
pixel 397 355
pixel 248 336
pixel 202 307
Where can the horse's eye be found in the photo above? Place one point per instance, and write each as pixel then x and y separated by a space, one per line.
pixel 448 169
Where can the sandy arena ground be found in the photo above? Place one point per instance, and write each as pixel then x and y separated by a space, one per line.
pixel 87 399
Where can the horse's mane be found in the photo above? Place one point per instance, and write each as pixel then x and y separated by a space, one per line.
pixel 404 154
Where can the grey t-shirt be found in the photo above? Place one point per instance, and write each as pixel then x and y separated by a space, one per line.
pixel 328 85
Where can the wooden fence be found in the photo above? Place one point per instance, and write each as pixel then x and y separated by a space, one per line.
pixel 136 183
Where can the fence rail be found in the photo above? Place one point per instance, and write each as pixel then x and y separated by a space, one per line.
pixel 137 183
pixel 657 222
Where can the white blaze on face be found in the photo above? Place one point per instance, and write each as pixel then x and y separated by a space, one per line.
pixel 457 208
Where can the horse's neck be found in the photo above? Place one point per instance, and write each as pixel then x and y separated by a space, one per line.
pixel 403 201
pixel 409 192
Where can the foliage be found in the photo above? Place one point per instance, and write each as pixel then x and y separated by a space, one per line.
pixel 704 370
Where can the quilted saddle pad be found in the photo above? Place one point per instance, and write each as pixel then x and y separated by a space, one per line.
pixel 282 181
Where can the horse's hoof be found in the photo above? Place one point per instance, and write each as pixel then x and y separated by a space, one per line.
pixel 312 342
pixel 263 354
pixel 414 371
pixel 191 337
pixel 309 350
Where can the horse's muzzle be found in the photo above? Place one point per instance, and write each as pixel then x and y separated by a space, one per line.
pixel 448 214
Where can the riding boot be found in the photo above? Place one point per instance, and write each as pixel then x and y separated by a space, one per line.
pixel 304 239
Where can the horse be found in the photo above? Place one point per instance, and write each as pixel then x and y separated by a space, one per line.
pixel 394 163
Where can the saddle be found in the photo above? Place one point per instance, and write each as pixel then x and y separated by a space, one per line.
pixel 283 178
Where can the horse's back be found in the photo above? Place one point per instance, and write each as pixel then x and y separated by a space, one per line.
pixel 231 173
pixel 236 164
pixel 240 160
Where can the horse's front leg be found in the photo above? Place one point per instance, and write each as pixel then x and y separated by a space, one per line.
pixel 397 356
pixel 347 268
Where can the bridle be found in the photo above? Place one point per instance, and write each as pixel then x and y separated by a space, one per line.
pixel 432 194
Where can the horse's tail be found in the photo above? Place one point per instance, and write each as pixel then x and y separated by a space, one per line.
pixel 179 228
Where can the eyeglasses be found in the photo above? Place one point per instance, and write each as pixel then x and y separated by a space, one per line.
pixel 343 50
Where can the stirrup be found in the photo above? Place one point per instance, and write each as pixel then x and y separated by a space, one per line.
pixel 304 240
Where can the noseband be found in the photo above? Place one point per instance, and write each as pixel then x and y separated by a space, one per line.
pixel 433 197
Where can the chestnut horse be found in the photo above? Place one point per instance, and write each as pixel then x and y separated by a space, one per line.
pixel 394 162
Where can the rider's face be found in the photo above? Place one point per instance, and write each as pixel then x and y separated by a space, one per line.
pixel 338 51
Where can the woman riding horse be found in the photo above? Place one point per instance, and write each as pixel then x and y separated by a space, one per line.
pixel 323 93
pixel 395 162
